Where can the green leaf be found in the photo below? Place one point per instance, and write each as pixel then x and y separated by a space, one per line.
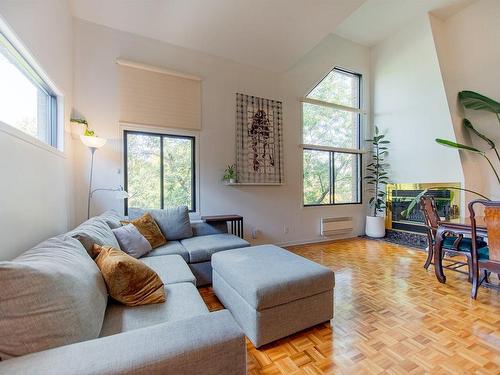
pixel 469 126
pixel 473 100
pixel 459 146
pixel 413 203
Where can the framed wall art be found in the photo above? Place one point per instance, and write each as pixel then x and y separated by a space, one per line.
pixel 259 144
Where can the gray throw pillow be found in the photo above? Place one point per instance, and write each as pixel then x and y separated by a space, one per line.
pixel 51 295
pixel 132 241
pixel 174 222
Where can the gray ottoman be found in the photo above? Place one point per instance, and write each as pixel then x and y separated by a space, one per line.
pixel 272 292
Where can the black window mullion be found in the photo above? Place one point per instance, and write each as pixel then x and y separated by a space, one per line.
pixel 162 177
pixel 125 174
pixel 332 177
pixel 193 176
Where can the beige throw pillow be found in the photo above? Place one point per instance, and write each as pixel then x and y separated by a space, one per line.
pixel 128 280
pixel 147 226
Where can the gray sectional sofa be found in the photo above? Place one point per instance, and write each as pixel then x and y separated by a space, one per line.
pixel 195 245
pixel 56 318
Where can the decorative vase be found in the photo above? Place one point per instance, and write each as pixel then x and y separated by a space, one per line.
pixel 375 226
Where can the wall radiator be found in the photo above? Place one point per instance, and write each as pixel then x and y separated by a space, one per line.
pixel 331 226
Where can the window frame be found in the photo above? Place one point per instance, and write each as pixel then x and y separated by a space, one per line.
pixel 332 150
pixel 161 135
pixel 20 57
pixel 331 155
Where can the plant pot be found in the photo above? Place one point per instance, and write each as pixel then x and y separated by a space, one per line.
pixel 77 129
pixel 375 226
pixel 232 181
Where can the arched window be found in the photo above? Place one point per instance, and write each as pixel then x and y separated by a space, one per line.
pixel 331 124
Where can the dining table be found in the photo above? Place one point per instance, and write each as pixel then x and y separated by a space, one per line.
pixel 460 226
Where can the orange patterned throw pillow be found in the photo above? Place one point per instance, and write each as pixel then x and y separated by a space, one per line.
pixel 147 226
pixel 128 280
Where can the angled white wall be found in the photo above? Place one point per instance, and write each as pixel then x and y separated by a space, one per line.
pixel 468 49
pixel 36 197
pixel 409 103
pixel 266 208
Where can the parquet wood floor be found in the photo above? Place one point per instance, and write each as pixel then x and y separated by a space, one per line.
pixel 391 317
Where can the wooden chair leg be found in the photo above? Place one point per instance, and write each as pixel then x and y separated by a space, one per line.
pixel 487 276
pixel 430 255
pixel 475 281
pixel 469 265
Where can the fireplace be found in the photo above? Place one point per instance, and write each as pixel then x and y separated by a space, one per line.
pixel 399 197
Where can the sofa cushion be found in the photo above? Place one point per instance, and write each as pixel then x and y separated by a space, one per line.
pixel 172 269
pixel 201 228
pixel 129 280
pixel 267 275
pixel 147 226
pixel 173 221
pixel 51 295
pixel 94 231
pixel 112 218
pixel 170 248
pixel 183 301
pixel 201 248
pixel 132 241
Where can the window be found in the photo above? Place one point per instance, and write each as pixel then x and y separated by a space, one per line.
pixel 159 170
pixel 26 101
pixel 331 118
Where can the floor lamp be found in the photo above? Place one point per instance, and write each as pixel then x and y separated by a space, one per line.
pixel 93 143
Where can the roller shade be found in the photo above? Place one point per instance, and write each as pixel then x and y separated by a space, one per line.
pixel 155 96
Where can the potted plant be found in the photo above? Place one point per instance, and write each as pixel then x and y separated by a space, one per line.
pixel 376 179
pixel 80 127
pixel 230 174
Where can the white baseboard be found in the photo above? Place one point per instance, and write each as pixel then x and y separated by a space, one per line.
pixel 313 240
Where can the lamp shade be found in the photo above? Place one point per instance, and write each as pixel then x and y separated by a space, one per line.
pixel 121 194
pixel 92 141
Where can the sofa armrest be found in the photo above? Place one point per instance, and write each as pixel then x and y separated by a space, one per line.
pixel 206 344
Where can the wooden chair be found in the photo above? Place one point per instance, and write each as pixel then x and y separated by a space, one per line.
pixel 453 243
pixel 486 257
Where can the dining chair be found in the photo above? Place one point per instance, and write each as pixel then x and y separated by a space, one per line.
pixel 486 257
pixel 453 244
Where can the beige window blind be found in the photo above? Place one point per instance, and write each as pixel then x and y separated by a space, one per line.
pixel 155 96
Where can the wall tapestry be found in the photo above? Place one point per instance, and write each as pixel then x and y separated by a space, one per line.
pixel 259 149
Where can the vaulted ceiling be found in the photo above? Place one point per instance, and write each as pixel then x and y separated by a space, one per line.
pixel 376 20
pixel 271 34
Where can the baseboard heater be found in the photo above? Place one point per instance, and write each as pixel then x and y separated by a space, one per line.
pixel 331 226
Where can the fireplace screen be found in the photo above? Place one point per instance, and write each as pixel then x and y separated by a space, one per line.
pixel 399 196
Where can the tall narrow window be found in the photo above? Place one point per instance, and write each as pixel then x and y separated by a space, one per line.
pixel 159 170
pixel 331 140
pixel 26 101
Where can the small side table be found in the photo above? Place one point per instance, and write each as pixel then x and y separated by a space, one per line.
pixel 235 220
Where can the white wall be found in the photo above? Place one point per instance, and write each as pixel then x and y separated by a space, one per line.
pixel 409 103
pixel 469 54
pixel 267 209
pixel 36 184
